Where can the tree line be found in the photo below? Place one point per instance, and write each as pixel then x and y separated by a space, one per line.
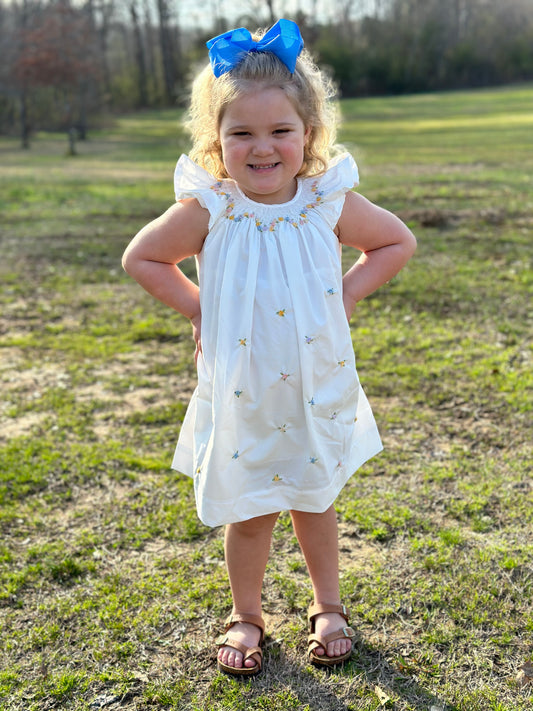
pixel 64 63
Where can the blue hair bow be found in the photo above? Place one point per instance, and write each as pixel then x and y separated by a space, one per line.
pixel 283 39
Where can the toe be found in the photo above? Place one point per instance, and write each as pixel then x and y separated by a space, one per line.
pixel 230 657
pixel 338 648
pixel 235 660
pixel 334 649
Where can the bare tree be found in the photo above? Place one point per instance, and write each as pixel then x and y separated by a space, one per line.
pixel 102 13
pixel 139 55
pixel 150 43
pixel 167 48
pixel 23 87
pixel 57 51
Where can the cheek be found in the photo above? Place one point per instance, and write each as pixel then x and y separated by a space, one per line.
pixel 298 150
pixel 233 158
pixel 231 152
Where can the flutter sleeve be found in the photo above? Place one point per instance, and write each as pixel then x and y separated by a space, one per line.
pixel 341 176
pixel 192 181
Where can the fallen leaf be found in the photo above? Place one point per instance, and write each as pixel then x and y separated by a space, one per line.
pixel 525 674
pixel 382 696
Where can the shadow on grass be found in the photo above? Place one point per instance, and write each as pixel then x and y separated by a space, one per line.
pixel 288 679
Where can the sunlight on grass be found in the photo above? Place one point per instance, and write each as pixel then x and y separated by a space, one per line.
pixel 112 591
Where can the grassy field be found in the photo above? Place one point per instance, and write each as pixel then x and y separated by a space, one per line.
pixel 111 592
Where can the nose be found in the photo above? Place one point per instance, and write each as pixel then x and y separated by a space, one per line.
pixel 262 146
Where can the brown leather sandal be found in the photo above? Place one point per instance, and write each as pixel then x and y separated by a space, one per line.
pixel 255 653
pixel 314 640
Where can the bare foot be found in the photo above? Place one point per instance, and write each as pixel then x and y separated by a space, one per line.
pixel 246 634
pixel 328 622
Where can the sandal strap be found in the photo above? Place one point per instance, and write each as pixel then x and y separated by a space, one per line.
pixel 255 653
pixel 322 608
pixel 247 652
pixel 225 640
pixel 247 618
pixel 315 640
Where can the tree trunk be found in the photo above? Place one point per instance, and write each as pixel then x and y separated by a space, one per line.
pixel 139 56
pixel 167 54
pixel 72 141
pixel 24 122
pixel 149 44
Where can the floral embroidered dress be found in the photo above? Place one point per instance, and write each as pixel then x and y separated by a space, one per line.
pixel 278 420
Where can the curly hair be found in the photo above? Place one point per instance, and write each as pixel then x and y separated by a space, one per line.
pixel 308 90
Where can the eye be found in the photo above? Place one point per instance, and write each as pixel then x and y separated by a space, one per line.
pixel 282 130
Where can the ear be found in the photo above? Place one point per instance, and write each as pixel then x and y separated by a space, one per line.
pixel 307 134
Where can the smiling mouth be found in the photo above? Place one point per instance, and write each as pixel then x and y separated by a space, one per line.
pixel 263 167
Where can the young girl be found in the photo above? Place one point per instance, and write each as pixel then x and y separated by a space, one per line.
pixel 279 420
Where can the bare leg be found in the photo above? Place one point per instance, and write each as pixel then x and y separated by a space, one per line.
pixel 247 545
pixel 318 538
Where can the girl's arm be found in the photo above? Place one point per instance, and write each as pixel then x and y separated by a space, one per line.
pixel 152 256
pixel 385 242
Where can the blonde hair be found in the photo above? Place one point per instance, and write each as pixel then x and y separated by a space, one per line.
pixel 308 89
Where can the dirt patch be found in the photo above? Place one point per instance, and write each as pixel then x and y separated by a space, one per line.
pixel 355 552
pixel 440 218
pixel 23 385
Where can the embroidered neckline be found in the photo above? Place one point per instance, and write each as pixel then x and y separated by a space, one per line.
pixel 317 197
pixel 300 182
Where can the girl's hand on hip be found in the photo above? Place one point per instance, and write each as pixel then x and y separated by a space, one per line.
pixel 196 322
pixel 349 305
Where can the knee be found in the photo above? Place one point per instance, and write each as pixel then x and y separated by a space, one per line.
pixel 255 527
pixel 308 517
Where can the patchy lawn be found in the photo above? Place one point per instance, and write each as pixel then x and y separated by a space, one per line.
pixel 111 591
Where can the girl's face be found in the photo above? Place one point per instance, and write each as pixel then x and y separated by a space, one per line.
pixel 263 138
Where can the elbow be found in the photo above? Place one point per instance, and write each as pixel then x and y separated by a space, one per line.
pixel 413 244
pixel 128 261
pixel 125 263
pixel 409 243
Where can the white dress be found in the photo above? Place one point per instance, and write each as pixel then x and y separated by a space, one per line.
pixel 279 420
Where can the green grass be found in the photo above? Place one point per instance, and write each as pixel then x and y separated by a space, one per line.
pixel 111 591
